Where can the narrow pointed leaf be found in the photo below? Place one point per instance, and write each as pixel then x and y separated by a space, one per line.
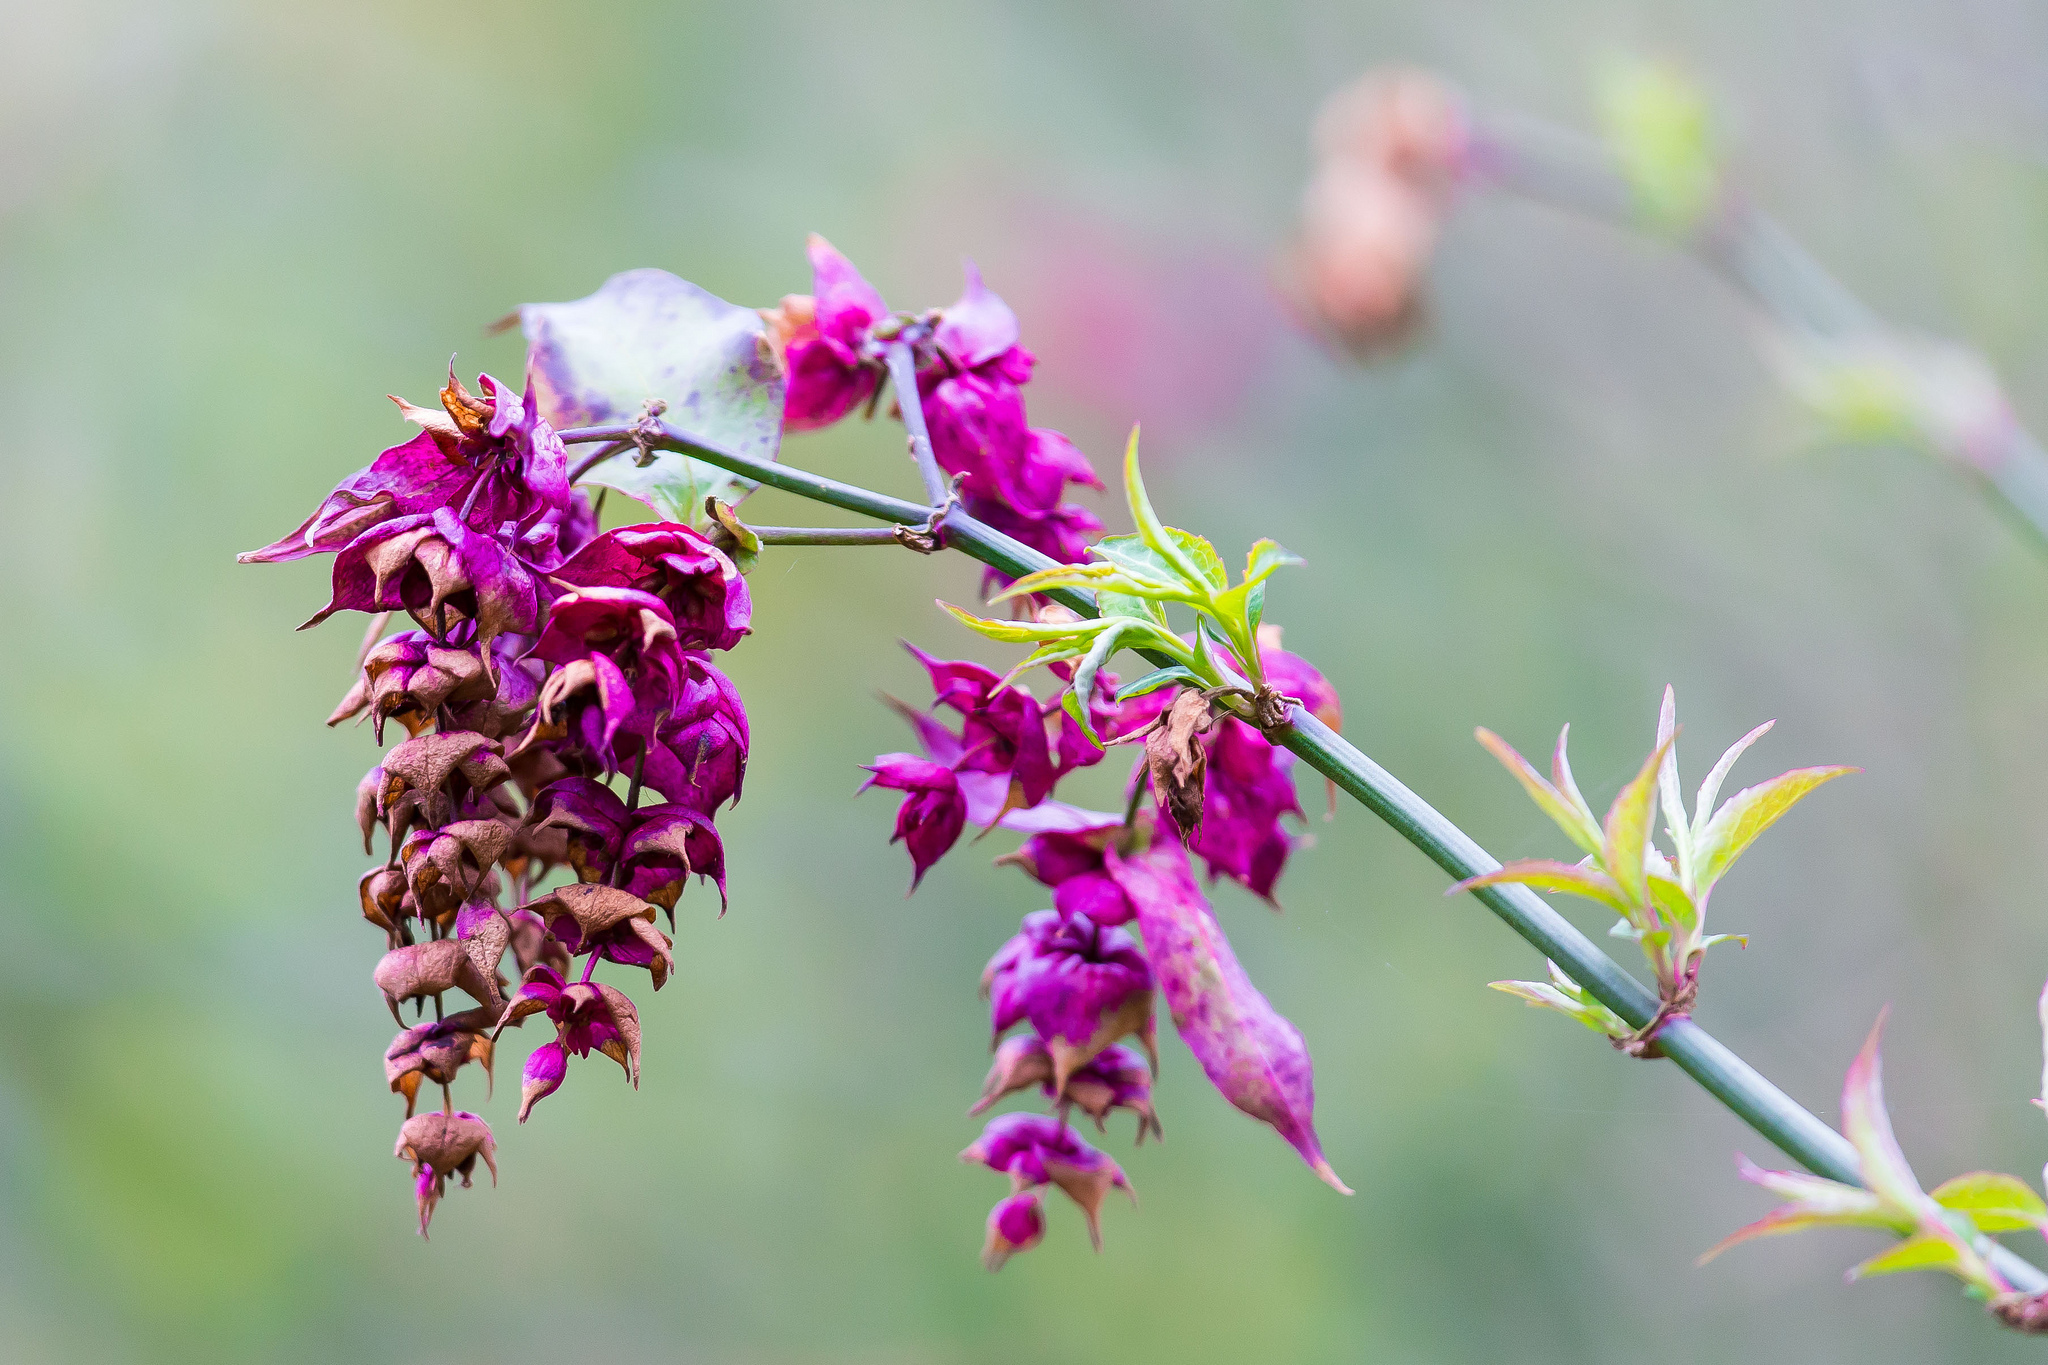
pixel 1792 1218
pixel 1123 604
pixel 1542 995
pixel 1027 632
pixel 1628 829
pixel 1667 782
pixel 1561 778
pixel 1202 557
pixel 1153 531
pixel 1156 679
pixel 1673 904
pixel 1749 813
pixel 1869 1128
pixel 1138 561
pixel 1710 790
pixel 1547 875
pixel 1578 826
pixel 1076 699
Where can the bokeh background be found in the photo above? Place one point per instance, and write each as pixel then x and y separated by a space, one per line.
pixel 228 229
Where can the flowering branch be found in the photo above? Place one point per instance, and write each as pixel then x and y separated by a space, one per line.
pixel 1723 1074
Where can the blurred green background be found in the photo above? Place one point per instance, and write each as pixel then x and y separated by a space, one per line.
pixel 228 229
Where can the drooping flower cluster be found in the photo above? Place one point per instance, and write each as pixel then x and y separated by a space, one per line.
pixel 971 373
pixel 547 661
pixel 1075 976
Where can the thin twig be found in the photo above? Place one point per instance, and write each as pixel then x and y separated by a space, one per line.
pixel 593 461
pixel 903 375
pixel 1758 258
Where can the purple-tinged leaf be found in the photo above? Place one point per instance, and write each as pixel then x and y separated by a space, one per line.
pixel 645 334
pixel 1995 1203
pixel 1561 778
pixel 1544 874
pixel 1749 813
pixel 1628 829
pixel 1248 1050
pixel 1869 1128
pixel 1579 826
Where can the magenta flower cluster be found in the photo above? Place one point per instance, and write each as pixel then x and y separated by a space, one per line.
pixel 548 661
pixel 1075 978
pixel 971 373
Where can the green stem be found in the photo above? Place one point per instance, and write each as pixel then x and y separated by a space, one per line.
pixel 1729 1079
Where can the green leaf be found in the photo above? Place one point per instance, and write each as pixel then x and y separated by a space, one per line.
pixel 1028 632
pixel 1255 608
pixel 1568 998
pixel 1995 1203
pixel 1266 558
pixel 1143 565
pixel 1869 1127
pixel 1627 834
pixel 1675 906
pixel 646 334
pixel 1575 823
pixel 1749 813
pixel 1150 529
pixel 1083 687
pixel 1711 940
pixel 1202 556
pixel 1927 1251
pixel 1659 126
pixel 1144 608
pixel 1794 1218
pixel 1156 679
pixel 1050 652
pixel 746 550
pixel 1095 578
pixel 1547 875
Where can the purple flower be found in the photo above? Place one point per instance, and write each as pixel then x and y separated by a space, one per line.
pixel 588 1015
pixel 1249 1052
pixel 407 677
pixel 1072 863
pixel 435 1050
pixel 438 571
pixel 1081 987
pixel 1115 1078
pixel 1035 1150
pixel 492 457
pixel 614 924
pixel 1015 1224
pixel 823 338
pixel 705 594
pixel 615 647
pixel 387 901
pixel 931 817
pixel 700 757
pixel 659 845
pixel 1002 729
pixel 970 391
pixel 441 1145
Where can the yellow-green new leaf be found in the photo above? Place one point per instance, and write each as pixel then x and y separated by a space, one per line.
pixel 1266 558
pixel 1628 829
pixel 1573 819
pixel 1926 1251
pixel 1995 1203
pixel 1028 632
pixel 1749 813
pixel 1151 529
pixel 1547 875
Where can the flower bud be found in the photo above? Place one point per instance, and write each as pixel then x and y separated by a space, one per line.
pixel 1016 1224
pixel 434 1050
pixel 1080 986
pixel 1035 1150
